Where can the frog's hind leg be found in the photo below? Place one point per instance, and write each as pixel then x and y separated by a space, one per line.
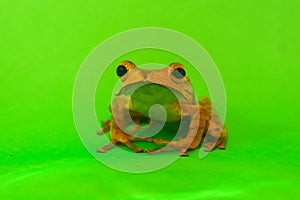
pixel 223 139
pixel 177 145
pixel 209 125
pixel 216 132
pixel 212 143
pixel 201 129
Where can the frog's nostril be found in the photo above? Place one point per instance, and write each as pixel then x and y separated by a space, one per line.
pixel 121 70
pixel 145 76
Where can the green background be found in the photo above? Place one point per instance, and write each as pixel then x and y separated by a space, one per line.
pixel 255 45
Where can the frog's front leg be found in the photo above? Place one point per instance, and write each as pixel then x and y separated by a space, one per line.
pixel 118 136
pixel 106 127
pixel 216 132
pixel 121 119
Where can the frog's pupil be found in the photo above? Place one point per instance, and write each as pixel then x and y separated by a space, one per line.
pixel 121 70
pixel 178 73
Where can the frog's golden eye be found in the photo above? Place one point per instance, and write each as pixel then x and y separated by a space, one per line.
pixel 178 73
pixel 121 70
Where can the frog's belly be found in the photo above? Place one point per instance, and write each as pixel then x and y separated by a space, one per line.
pixel 170 112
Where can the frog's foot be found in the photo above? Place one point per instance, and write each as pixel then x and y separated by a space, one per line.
pixel 112 144
pixel 137 149
pixel 107 147
pixel 222 143
pixel 209 146
pixel 134 148
pixel 212 142
pixel 222 146
pixel 181 145
pixel 106 127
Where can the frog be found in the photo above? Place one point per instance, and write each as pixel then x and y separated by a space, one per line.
pixel 171 88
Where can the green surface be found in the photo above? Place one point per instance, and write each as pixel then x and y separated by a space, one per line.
pixel 255 45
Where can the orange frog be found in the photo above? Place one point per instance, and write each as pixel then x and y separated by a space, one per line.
pixel 171 89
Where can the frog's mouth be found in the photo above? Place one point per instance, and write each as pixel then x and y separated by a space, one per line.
pixel 151 92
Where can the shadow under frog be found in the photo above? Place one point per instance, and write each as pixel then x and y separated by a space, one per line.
pixel 171 89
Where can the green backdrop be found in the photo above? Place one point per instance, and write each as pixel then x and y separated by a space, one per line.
pixel 255 45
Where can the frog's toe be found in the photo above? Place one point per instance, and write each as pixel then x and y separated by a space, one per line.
pixel 100 132
pixel 209 146
pixel 101 150
pixel 153 151
pixel 182 146
pixel 184 153
pixel 161 141
pixel 105 148
pixel 134 148
pixel 105 123
pixel 157 150
pixel 139 150
pixel 104 130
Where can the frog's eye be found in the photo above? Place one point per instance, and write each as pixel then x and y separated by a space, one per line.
pixel 121 70
pixel 178 73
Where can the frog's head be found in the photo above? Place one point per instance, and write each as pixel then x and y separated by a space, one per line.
pixel 172 77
